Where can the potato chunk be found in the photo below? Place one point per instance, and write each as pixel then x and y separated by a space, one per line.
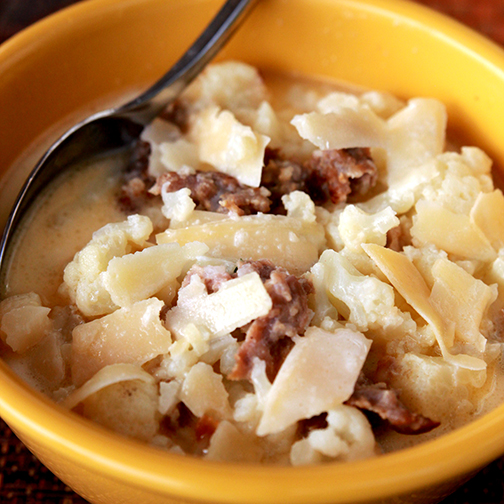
pixel 24 321
pixel 318 374
pixel 127 407
pixel 132 334
pixel 203 392
pixel 138 276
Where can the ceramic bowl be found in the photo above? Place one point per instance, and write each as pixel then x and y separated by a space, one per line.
pixel 95 53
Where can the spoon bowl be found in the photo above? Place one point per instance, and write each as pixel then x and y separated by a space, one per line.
pixel 117 128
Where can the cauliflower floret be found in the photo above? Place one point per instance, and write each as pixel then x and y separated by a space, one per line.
pixel 348 436
pixel 230 146
pixel 84 276
pixel 364 300
pixel 357 227
pixel 460 180
pixel 231 85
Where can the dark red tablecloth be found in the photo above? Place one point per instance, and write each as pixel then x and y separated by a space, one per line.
pixel 23 480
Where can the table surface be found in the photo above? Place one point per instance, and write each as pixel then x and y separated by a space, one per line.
pixel 23 479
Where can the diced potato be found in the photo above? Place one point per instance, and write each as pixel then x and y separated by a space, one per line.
pixel 318 374
pixel 24 321
pixel 229 146
pixel 128 408
pixel 460 297
pixel 449 231
pixel 238 302
pixel 84 276
pixel 203 392
pixel 290 243
pixel 132 334
pixel 440 390
pixel 229 444
pixel 134 277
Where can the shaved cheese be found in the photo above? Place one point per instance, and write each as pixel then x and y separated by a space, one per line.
pixel 346 128
pixel 403 275
pixel 291 243
pixel 488 215
pixel 236 303
pixel 460 297
pixel 318 374
pixel 455 233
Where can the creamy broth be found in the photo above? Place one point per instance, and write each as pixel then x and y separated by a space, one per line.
pixel 144 311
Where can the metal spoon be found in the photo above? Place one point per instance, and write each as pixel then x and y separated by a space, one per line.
pixel 119 127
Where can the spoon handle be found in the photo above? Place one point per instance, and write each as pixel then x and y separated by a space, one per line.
pixel 148 105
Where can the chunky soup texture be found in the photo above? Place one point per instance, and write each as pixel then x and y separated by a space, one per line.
pixel 290 273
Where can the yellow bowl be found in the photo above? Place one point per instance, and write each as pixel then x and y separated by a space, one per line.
pixel 87 56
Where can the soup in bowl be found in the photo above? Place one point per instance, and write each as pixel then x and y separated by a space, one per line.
pixel 373 209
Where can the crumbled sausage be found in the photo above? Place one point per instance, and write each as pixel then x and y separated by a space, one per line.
pixel 134 192
pixel 379 399
pixel 216 192
pixel 177 113
pixel 329 175
pixel 307 425
pixel 335 173
pixel 282 176
pixel 394 239
pixel 213 276
pixel 270 337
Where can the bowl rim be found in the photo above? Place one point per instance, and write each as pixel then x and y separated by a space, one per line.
pixel 35 417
